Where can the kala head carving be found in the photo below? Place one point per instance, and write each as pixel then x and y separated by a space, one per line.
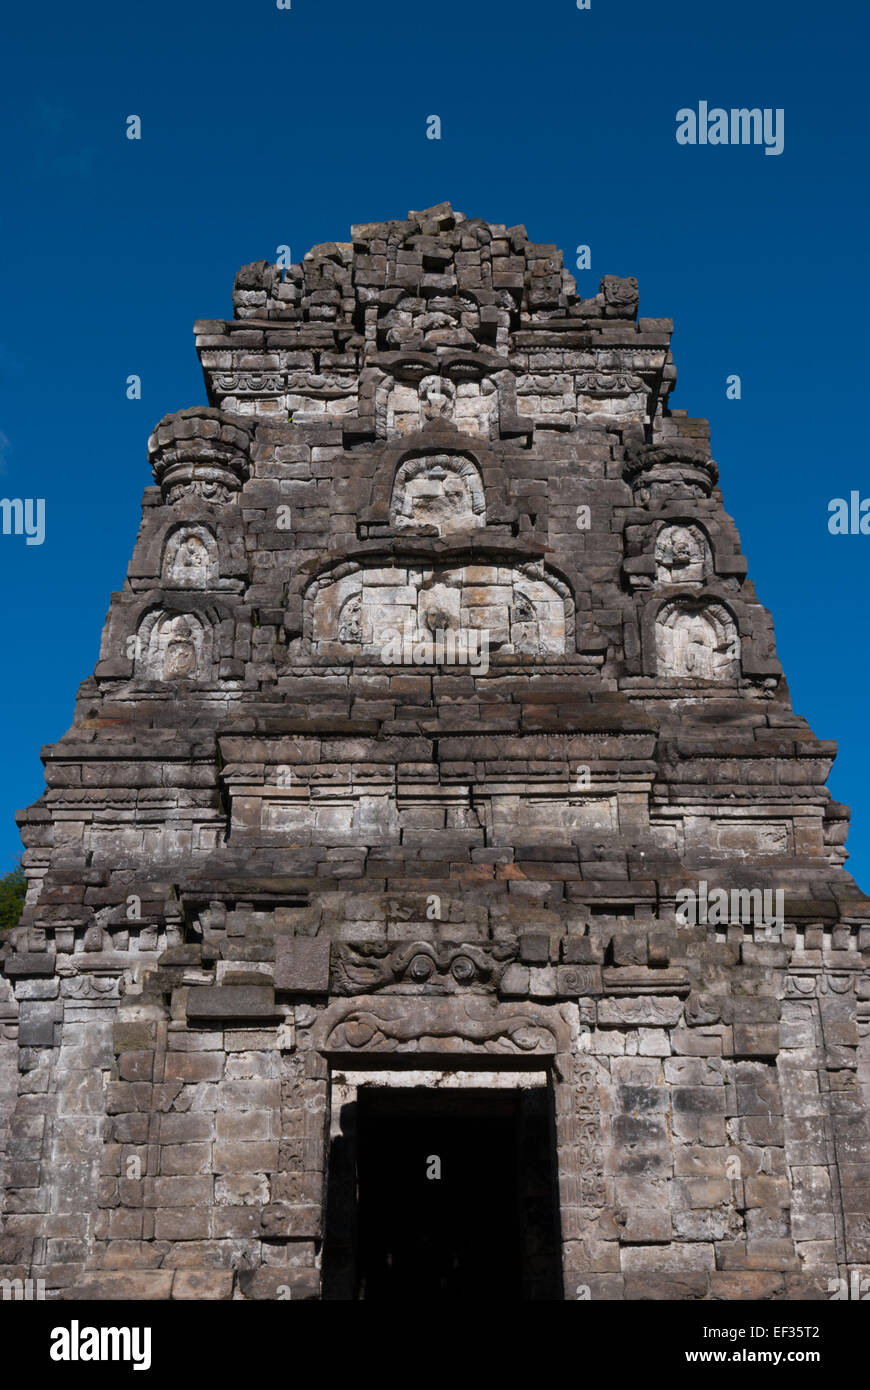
pixel 440 490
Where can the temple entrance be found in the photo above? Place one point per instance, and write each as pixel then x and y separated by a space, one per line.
pixel 454 1196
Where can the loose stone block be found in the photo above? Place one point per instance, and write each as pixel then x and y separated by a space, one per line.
pixel 302 964
pixel 25 963
pixel 229 1002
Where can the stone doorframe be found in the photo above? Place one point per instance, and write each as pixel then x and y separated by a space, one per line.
pixel 361 1038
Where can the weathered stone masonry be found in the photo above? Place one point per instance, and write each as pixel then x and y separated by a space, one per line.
pixel 265 858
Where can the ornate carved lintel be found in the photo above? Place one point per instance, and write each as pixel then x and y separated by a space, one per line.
pixel 462 1027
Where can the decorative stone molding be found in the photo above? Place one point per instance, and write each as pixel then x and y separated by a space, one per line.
pixel 422 967
pixel 457 1027
pixel 201 453
pixel 669 471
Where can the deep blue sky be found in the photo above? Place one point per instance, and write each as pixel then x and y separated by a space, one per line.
pixel 263 127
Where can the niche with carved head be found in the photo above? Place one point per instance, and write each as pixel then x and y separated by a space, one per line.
pixel 682 555
pixel 444 491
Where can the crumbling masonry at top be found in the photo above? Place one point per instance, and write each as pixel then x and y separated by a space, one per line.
pixel 274 847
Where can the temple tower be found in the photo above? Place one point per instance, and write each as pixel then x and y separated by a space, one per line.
pixel 436 894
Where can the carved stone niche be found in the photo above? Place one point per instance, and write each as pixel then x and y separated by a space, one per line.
pixel 682 555
pixel 444 491
pixel 190 558
pixel 668 553
pixel 697 640
pixel 670 471
pixel 202 453
pixel 372 609
pixel 174 646
pixel 404 407
pixel 461 1026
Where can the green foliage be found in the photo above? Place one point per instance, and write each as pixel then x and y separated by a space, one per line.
pixel 13 887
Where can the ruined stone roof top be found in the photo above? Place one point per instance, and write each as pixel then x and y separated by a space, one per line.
pixel 465 270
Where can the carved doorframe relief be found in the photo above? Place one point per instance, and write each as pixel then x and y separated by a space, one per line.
pixel 473 1042
pixel 462 1028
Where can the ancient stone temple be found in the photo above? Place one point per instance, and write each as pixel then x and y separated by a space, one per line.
pixel 436 895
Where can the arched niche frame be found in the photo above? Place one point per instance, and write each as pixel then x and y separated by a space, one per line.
pixel 172 645
pixel 679 546
pixel 442 490
pixel 169 636
pixel 696 641
pixel 190 556
pixel 221 530
pixel 350 608
pixel 401 460
pixel 693 634
pixel 682 554
pixel 741 630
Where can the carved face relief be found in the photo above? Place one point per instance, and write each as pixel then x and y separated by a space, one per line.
pixel 350 620
pixel 440 608
pixel 403 407
pixel 443 490
pixel 437 395
pixel 192 555
pixel 416 323
pixel 419 967
pixel 682 555
pixel 696 642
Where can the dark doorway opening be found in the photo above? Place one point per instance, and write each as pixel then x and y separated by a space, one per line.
pixel 453 1197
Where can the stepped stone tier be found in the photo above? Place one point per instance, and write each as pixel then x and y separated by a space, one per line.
pixel 435 683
